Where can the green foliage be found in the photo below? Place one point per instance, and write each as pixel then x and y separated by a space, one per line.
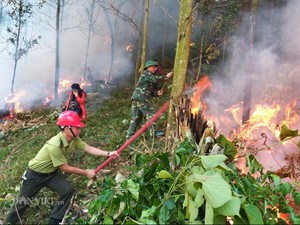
pixel 229 148
pixel 285 133
pixel 161 187
pixel 20 146
pixel 19 13
pixel 202 190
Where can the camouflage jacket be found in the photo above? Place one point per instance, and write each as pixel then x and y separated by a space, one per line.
pixel 147 86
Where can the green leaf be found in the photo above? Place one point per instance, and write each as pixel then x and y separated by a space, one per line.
pixel 229 148
pixel 147 215
pixel 192 210
pixel 190 188
pixel 108 220
pixel 209 214
pixel 277 180
pixel 225 167
pixel 164 174
pixel 133 188
pixel 296 198
pixel 253 163
pixel 219 219
pixel 230 208
pixel 181 150
pixel 198 170
pixel 285 133
pixel 216 191
pixel 164 214
pixel 212 161
pixel 177 160
pixel 253 214
pixel 286 188
pixel 186 200
pixel 199 199
pixel 170 203
pixel 94 207
pixel 238 220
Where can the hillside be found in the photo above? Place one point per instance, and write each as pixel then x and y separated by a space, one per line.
pixel 108 117
pixel 159 186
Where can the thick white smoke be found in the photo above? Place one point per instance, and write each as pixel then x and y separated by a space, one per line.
pixel 273 69
pixel 36 70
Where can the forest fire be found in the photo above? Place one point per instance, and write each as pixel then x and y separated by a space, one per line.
pixel 261 134
pixel 271 117
pixel 268 134
pixel 16 102
pixel 12 105
pixel 200 87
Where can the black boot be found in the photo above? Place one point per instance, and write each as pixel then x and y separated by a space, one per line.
pixel 54 221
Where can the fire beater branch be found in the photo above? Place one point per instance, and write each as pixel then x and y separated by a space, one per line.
pixel 136 134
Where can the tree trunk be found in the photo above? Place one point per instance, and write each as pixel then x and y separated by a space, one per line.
pixel 145 34
pixel 112 46
pixel 16 54
pixel 138 54
pixel 180 66
pixel 162 60
pixel 138 61
pixel 248 87
pixel 57 51
pixel 89 38
pixel 200 54
pixel 1 12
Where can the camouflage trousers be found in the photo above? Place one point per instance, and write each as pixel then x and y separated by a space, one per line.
pixel 140 110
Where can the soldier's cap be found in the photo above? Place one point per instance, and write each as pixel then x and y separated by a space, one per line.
pixel 150 63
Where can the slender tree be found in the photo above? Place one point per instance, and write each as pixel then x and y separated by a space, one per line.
pixel 19 14
pixel 138 61
pixel 91 23
pixel 1 11
pixel 180 63
pixel 57 49
pixel 112 42
pixel 248 87
pixel 138 54
pixel 145 35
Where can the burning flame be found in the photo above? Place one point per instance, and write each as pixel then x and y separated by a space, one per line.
pixel 13 102
pixel 65 83
pixel 270 117
pixel 201 86
pixel 260 134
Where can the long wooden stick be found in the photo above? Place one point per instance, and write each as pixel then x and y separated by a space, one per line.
pixel 136 134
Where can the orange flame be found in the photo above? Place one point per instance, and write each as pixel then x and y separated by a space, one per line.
pixel 13 102
pixel 202 85
pixel 265 116
pixel 65 83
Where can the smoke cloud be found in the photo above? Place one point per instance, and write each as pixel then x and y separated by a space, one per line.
pixel 272 69
pixel 36 70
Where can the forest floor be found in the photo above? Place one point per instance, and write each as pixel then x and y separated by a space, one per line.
pixel 108 108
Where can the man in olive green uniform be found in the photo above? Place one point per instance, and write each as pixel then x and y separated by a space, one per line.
pixel 44 169
pixel 144 91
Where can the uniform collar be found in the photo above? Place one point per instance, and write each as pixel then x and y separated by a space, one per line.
pixel 148 72
pixel 63 139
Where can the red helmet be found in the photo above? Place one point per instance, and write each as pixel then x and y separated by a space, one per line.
pixel 69 118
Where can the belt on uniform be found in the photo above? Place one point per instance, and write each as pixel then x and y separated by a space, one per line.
pixel 40 174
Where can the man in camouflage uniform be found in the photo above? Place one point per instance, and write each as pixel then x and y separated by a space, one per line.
pixel 145 89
